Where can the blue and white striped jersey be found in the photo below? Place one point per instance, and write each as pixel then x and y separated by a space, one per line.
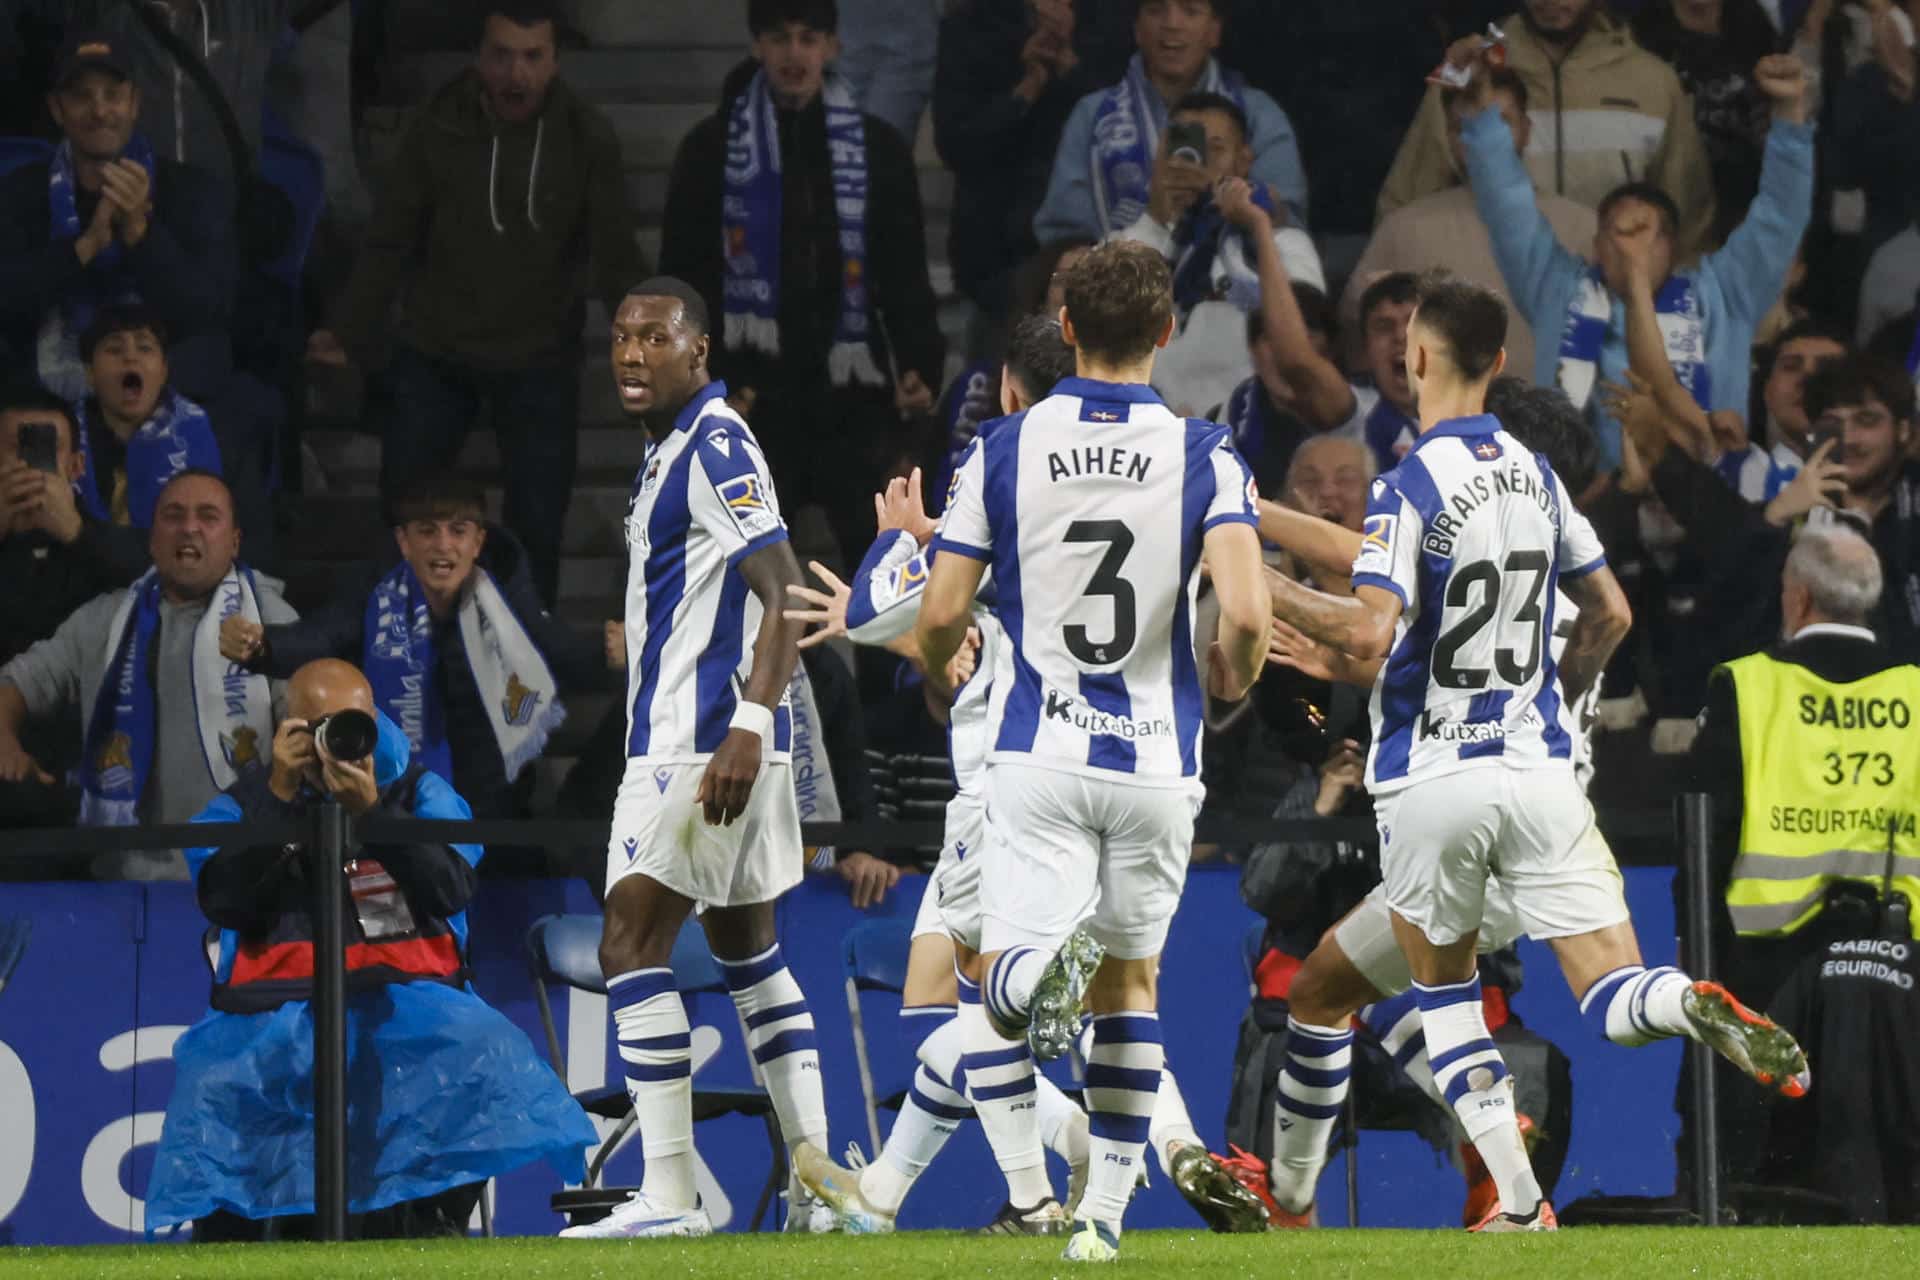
pixel 1090 508
pixel 701 503
pixel 1474 534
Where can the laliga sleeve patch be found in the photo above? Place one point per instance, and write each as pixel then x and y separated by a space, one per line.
pixel 746 501
pixel 1376 545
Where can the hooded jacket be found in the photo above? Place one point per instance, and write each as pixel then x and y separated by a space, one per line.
pixel 1608 112
pixel 488 230
pixel 261 898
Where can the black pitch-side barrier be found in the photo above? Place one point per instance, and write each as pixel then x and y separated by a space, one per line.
pixel 329 836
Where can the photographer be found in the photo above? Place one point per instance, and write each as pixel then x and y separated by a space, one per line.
pixel 442 1091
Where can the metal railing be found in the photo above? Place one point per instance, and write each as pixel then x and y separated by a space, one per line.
pixel 329 834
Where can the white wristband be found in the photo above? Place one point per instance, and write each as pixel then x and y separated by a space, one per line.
pixel 754 718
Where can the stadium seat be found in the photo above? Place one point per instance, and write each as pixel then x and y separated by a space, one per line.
pixel 15 152
pixel 566 949
pixel 875 956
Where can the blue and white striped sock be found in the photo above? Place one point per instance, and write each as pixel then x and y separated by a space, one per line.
pixel 1123 1084
pixel 656 1046
pixel 928 1116
pixel 1010 983
pixel 1000 1083
pixel 1473 1078
pixel 1635 1005
pixel 1312 1089
pixel 1395 1022
pixel 780 1037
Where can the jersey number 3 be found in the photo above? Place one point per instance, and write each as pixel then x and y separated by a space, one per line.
pixel 1106 581
pixel 1484 579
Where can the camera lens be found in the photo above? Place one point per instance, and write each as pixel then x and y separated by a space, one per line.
pixel 347 735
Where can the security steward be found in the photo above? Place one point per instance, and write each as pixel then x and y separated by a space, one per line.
pixel 1811 752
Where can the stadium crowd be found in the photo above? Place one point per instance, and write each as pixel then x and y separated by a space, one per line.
pixel 1704 215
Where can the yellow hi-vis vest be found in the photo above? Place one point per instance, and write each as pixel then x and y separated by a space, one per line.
pixel 1826 768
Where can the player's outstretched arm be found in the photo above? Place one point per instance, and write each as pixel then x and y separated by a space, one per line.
pixel 1604 620
pixel 1360 625
pixel 1325 545
pixel 728 781
pixel 946 607
pixel 1233 560
pixel 1287 647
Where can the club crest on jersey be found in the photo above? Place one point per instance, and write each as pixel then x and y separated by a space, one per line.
pixel 1488 449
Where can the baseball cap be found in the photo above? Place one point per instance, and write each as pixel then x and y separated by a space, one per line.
pixel 90 51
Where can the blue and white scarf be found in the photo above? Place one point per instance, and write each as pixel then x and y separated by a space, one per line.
pixel 750 218
pixel 1590 316
pixel 1205 239
pixel 814 791
pixel 1246 413
pixel 102 281
pixel 1126 138
pixel 1389 432
pixel 233 707
pixel 176 437
pixel 972 398
pixel 516 684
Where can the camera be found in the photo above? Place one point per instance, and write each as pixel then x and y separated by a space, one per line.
pixel 1187 140
pixel 346 735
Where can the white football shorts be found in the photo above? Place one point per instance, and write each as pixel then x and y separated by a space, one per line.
pixel 1067 851
pixel 951 903
pixel 1365 934
pixel 661 832
pixel 1530 829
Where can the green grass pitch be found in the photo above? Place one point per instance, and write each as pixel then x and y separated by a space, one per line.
pixel 1587 1254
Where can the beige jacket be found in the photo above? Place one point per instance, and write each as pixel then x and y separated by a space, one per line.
pixel 1444 230
pixel 1609 113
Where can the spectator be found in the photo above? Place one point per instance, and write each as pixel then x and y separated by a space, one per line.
pixel 1759 470
pixel 443 1092
pixel 1110 165
pixel 460 653
pixel 1009 73
pixel 234 39
pixel 105 221
pixel 1380 414
pixel 798 219
pixel 133 430
pixel 1264 410
pixel 1708 311
pixel 1595 90
pixel 887 51
pixel 1865 476
pixel 493 288
pixel 1891 283
pixel 166 723
pixel 1443 230
pixel 1713 46
pixel 1874 123
pixel 54 556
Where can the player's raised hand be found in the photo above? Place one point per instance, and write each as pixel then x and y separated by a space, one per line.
pixel 827 611
pixel 1288 646
pixel 901 506
pixel 727 784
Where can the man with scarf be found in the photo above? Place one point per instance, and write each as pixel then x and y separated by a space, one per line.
pixel 1111 165
pixel 104 221
pixel 454 640
pixel 168 721
pixel 797 217
pixel 443 1092
pixel 1707 311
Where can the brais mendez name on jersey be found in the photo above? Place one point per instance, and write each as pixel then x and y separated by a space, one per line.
pixel 1482 487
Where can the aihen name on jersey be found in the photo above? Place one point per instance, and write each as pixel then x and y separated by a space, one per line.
pixel 1481 487
pixel 1103 724
pixel 1803 819
pixel 1098 460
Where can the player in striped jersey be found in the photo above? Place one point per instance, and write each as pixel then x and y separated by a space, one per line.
pixel 1093 508
pixel 880 608
pixel 1471 765
pixel 706 813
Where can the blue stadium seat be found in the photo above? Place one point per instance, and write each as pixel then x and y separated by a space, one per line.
pixel 15 152
pixel 566 949
pixel 297 171
pixel 875 957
